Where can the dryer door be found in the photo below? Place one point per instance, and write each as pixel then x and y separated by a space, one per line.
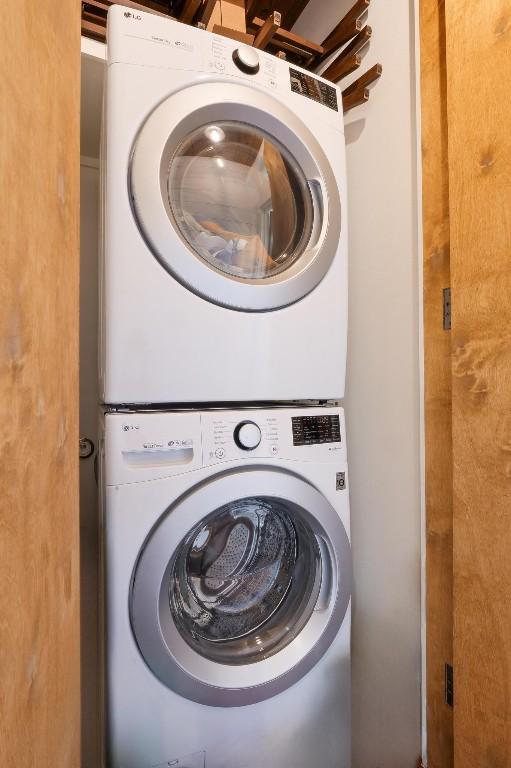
pixel 241 587
pixel 235 197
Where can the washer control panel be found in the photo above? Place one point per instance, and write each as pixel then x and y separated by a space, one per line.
pixel 239 434
pixel 284 433
pixel 314 430
pixel 247 435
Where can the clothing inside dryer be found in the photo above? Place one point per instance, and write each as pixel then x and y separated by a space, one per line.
pixel 245 580
pixel 240 200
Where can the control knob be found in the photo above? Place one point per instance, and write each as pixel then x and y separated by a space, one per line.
pixel 247 435
pixel 246 59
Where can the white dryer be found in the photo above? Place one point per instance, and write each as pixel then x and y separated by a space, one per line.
pixel 228 583
pixel 224 221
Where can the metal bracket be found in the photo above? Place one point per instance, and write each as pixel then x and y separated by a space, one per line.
pixel 87 447
pixel 447 308
pixel 449 685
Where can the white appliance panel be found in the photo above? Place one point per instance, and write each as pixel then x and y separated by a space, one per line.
pixel 149 724
pixel 162 342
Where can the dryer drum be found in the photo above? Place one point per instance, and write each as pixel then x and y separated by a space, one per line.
pixel 240 200
pixel 245 580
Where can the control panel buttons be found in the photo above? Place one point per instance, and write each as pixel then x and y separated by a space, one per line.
pixel 220 453
pixel 246 59
pixel 247 435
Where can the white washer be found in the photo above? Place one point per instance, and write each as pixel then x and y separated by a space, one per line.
pixel 228 583
pixel 225 228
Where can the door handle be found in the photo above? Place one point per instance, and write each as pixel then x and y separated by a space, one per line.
pixel 316 193
pixel 325 590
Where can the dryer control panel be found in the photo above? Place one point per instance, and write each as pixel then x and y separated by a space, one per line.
pixel 148 40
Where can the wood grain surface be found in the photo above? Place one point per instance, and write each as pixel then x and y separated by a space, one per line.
pixel 479 116
pixel 39 552
pixel 437 381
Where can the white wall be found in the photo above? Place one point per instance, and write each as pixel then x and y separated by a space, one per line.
pixel 382 400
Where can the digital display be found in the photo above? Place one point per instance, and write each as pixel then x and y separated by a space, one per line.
pixel 313 89
pixel 313 430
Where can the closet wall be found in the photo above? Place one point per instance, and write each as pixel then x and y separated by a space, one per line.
pixel 383 390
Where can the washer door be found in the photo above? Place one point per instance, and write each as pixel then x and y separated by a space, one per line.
pixel 235 197
pixel 241 587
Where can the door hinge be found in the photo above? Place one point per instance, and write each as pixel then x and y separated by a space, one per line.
pixel 447 308
pixel 449 685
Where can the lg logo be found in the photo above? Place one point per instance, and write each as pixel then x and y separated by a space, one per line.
pixel 134 16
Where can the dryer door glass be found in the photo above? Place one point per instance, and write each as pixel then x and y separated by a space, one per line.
pixel 240 200
pixel 245 581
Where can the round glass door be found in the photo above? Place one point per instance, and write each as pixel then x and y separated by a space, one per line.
pixel 235 197
pixel 241 587
pixel 245 581
pixel 240 200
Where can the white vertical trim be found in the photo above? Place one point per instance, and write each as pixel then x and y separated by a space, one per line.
pixel 93 49
pixel 420 252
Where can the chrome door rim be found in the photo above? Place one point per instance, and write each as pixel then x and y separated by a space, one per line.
pixel 163 648
pixel 165 128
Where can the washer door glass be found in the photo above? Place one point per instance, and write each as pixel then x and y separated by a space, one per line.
pixel 240 200
pixel 245 581
pixel 240 587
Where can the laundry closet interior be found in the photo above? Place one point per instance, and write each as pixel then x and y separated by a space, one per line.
pixel 384 483
pixel 271 308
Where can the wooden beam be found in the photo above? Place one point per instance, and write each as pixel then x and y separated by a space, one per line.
pixel 94 20
pixel 358 43
pixel 342 67
pixel 233 34
pixel 250 9
pixel 355 99
pixel 206 11
pixel 295 42
pixel 289 9
pixel 336 43
pixel 365 80
pixel 267 31
pixel 190 8
pixel 437 381
pixel 347 28
pixel 93 29
pixel 233 14
pixel 98 7
pixel 478 52
pixel 148 7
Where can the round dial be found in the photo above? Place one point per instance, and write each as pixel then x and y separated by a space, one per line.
pixel 246 59
pixel 247 435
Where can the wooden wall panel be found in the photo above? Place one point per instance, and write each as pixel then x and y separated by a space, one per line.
pixel 39 552
pixel 437 381
pixel 479 116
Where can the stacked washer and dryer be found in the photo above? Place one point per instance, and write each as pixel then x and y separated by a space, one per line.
pixel 225 512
